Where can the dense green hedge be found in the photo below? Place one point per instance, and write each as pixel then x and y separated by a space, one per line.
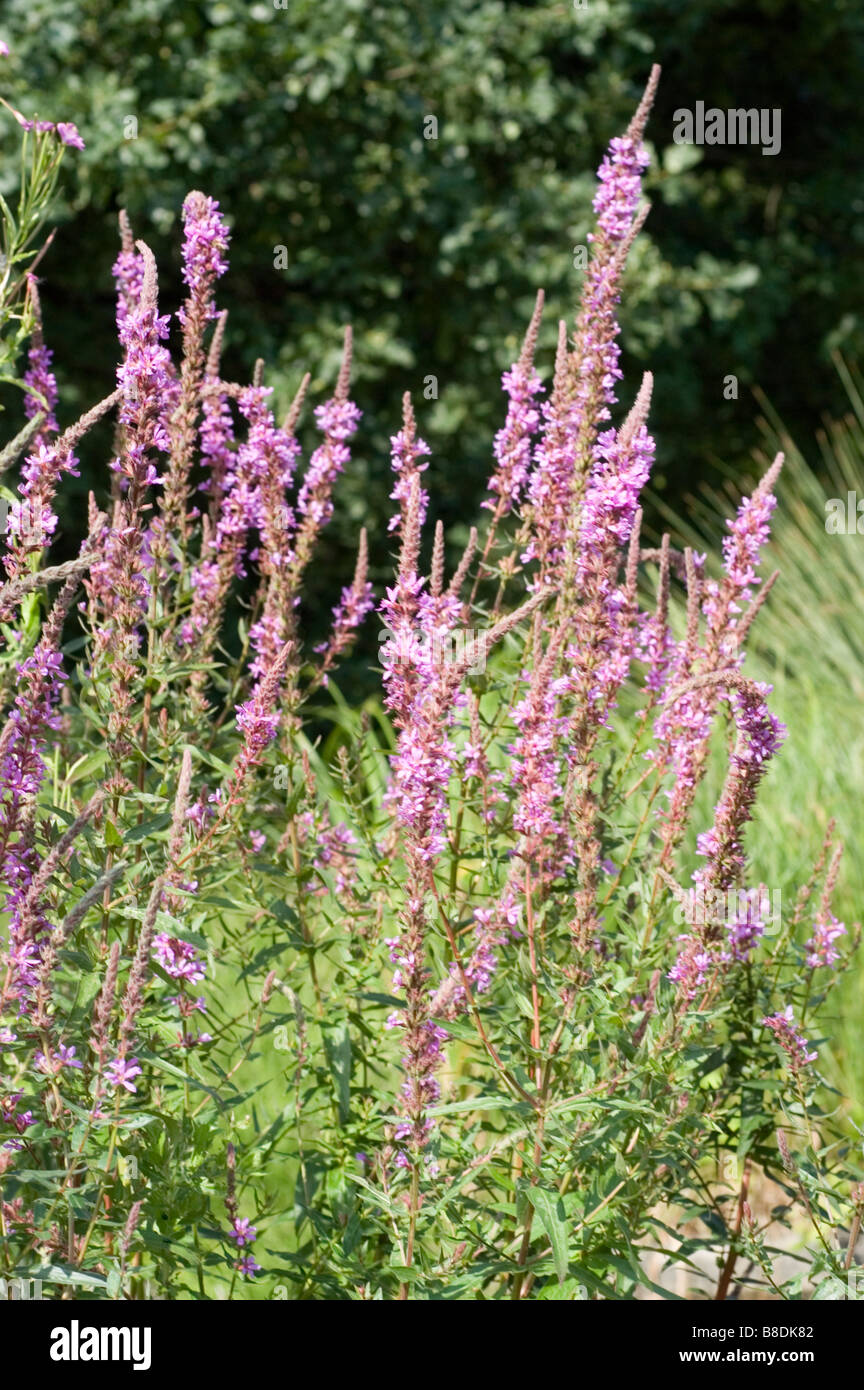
pixel 308 123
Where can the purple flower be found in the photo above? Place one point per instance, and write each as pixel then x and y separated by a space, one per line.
pixel 690 970
pixel 617 198
pixel 68 133
pixel 178 958
pixel 253 487
pixel 10 1115
pixel 337 419
pixel 605 632
pixel 121 1070
pixel 32 521
pixel 748 924
pixel 205 243
pixel 128 272
pixel 243 1231
pixel 63 1057
pixel 193 1039
pixel 43 382
pixel 760 734
pixel 198 814
pixel 820 948
pixel 584 385
pixel 147 380
pixel 22 768
pixel 749 530
pixel 512 447
pixel 217 436
pixel 258 725
pixel 536 767
pixel 356 602
pixel 551 481
pixel 41 127
pixel 406 450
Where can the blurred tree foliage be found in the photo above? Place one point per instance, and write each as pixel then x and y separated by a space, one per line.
pixel 309 123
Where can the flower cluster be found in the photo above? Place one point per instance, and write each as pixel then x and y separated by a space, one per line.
pixel 788 1035
pixel 66 131
pixel 820 948
pixel 178 958
pixel 205 244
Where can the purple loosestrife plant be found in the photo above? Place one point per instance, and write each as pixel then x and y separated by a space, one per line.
pixel 306 998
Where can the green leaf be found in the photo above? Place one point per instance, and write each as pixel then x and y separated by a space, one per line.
pixel 65 1274
pixel 148 827
pixel 113 838
pixel 339 1057
pixel 550 1210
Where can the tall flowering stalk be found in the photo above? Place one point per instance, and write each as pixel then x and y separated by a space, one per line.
pixel 593 365
pixel 760 735
pixel 822 951
pixel 579 472
pixel 356 601
pixel 32 521
pixel 235 511
pixel 683 728
pixel 205 244
pixel 424 694
pixel 216 430
pixel 603 629
pixel 337 420
pixel 551 480
pixel 121 1070
pixel 23 749
pixel 119 587
pixel 513 442
pixel 585 377
pixel 272 458
pixel 289 533
pixel 512 446
pixel 421 772
pixel 407 455
pixel 128 272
